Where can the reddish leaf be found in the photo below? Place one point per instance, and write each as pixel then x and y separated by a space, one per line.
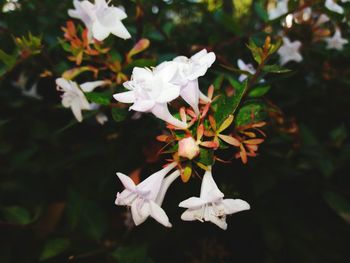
pixel 140 46
pixel 254 141
pixel 230 140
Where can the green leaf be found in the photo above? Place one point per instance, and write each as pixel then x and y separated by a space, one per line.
pixel 99 97
pixel 261 12
pixel 250 113
pixel 255 50
pixel 119 115
pixel 206 156
pixel 7 59
pixel 228 22
pixel 136 254
pixel 226 106
pixel 276 46
pixel 339 204
pixel 54 247
pixel 275 69
pixel 16 215
pixel 218 81
pixel 259 91
pixel 85 215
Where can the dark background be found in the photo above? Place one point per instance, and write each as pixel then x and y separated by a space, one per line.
pixel 57 177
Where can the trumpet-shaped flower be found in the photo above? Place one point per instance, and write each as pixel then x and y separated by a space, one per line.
pixel 289 51
pixel 100 19
pixel 211 205
pixel 334 7
pixel 150 91
pixel 73 96
pixel 280 10
pixel 187 73
pixel 142 198
pixel 336 41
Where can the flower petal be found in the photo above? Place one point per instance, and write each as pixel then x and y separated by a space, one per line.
pixel 192 215
pixel 125 97
pixel 209 190
pixel 126 181
pixel 139 211
pixel 192 202
pixel 76 109
pixel 64 84
pixel 161 111
pixel 219 221
pixel 165 185
pixel 158 214
pixel 166 70
pixel 99 31
pixel 142 74
pixel 190 94
pixel 235 205
pixel 153 183
pixel 143 105
pixel 90 86
pixel 120 30
pixel 168 93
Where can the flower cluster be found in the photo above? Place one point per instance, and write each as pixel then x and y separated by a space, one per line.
pixel 146 198
pixel 291 50
pixel 151 89
pixel 100 19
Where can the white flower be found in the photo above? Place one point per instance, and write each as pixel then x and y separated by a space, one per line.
pixel 187 74
pixel 280 9
pixel 150 91
pixel 101 118
pixel 73 97
pixel 142 198
pixel 245 67
pixel 100 19
pixel 211 205
pixel 336 41
pixel 322 19
pixel 333 6
pixel 21 83
pixel 32 92
pixel 289 51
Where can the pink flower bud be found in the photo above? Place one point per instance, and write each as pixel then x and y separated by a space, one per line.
pixel 188 148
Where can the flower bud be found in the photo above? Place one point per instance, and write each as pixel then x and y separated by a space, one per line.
pixel 188 148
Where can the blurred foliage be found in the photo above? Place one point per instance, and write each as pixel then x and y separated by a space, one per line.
pixel 58 184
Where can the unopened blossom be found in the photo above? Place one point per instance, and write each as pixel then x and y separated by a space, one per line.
pixel 100 19
pixel 280 9
pixel 333 6
pixel 151 91
pixel 187 73
pixel 336 41
pixel 142 198
pixel 211 205
pixel 289 51
pixel 188 148
pixel 73 96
